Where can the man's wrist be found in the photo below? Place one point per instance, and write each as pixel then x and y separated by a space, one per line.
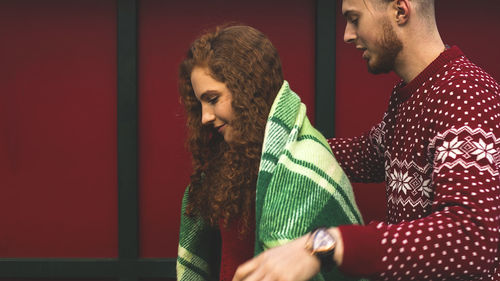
pixel 321 244
pixel 339 248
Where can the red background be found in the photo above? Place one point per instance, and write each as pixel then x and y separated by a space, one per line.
pixel 58 110
pixel 58 129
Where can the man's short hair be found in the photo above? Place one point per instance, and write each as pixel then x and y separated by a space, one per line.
pixel 423 7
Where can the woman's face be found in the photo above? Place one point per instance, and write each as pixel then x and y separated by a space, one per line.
pixel 215 99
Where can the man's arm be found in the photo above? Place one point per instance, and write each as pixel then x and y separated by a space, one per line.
pixel 361 158
pixel 291 261
pixel 459 236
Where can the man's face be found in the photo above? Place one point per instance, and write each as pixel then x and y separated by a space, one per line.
pixel 370 30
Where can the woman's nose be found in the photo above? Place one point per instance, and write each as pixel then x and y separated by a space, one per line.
pixel 207 116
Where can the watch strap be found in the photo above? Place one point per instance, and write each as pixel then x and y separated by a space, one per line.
pixel 325 256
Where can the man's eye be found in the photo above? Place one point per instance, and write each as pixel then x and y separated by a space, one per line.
pixel 354 21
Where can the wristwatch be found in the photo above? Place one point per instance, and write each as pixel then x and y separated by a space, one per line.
pixel 322 245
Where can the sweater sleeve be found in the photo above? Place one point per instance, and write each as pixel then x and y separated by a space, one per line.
pixel 460 236
pixel 361 158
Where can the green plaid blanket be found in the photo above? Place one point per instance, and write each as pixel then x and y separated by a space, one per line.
pixel 300 187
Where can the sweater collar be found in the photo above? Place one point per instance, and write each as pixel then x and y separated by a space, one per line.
pixel 404 91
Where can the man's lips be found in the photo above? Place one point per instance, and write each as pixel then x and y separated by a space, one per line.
pixel 364 55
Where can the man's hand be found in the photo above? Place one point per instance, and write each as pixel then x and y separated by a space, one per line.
pixel 289 262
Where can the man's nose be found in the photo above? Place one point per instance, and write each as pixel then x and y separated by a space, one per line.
pixel 349 34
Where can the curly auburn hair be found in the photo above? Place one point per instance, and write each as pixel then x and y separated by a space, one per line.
pixel 224 175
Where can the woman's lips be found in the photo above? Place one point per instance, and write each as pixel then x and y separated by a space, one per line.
pixel 220 129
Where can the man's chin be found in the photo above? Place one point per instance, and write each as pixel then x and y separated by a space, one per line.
pixel 375 68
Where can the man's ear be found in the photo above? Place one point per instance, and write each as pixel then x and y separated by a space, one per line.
pixel 402 9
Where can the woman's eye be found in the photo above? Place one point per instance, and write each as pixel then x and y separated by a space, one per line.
pixel 213 100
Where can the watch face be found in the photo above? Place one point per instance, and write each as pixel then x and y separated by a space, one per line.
pixel 323 241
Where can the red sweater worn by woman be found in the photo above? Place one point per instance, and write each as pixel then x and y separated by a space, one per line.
pixel 236 248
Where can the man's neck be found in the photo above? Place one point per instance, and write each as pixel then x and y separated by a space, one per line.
pixel 416 56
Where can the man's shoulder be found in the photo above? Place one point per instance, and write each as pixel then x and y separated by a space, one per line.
pixel 462 72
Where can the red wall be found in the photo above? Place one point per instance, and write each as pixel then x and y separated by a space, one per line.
pixel 58 170
pixel 58 129
pixel 58 110
pixel 361 98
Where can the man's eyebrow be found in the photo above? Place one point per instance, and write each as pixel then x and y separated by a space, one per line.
pixel 347 13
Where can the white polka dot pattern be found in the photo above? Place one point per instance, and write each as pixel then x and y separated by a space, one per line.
pixel 438 149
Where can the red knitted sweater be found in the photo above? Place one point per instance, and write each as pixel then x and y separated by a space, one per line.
pixel 438 149
pixel 236 248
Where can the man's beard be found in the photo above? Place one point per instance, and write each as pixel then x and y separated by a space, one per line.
pixel 389 46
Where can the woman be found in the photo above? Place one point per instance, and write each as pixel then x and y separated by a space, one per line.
pixel 262 175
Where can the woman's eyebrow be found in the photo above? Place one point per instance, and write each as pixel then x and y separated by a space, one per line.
pixel 207 94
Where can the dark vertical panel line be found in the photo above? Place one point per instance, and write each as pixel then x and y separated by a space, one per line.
pixel 325 67
pixel 128 245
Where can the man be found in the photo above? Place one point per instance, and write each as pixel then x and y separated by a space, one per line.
pixel 438 149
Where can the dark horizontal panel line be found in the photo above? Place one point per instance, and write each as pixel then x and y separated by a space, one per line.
pixel 85 268
pixel 57 268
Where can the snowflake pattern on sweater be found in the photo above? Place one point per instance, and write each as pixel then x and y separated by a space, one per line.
pixel 438 150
